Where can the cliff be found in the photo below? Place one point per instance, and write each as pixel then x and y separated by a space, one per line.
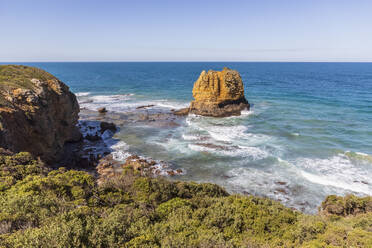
pixel 38 113
pixel 218 94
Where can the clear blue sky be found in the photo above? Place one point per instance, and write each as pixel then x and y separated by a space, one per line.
pixel 189 30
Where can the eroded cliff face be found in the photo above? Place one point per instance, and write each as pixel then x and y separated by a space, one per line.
pixel 38 113
pixel 219 94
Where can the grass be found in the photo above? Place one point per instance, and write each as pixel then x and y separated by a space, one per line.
pixel 19 76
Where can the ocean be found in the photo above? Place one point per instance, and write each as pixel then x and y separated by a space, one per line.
pixel 308 133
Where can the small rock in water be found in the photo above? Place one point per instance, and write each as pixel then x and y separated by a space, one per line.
pixel 218 147
pixel 107 126
pixel 93 137
pixel 283 191
pixel 281 183
pixel 171 173
pixel 181 112
pixel 145 106
pixel 219 94
pixel 102 110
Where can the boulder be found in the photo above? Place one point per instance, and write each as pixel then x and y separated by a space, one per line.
pixel 102 110
pixel 181 112
pixel 107 126
pixel 138 163
pixel 107 169
pixel 145 106
pixel 218 94
pixel 147 166
pixel 38 113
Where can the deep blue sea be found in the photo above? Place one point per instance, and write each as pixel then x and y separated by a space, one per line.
pixel 308 134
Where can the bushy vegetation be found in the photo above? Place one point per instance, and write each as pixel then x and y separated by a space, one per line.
pixel 66 208
pixel 19 76
pixel 349 205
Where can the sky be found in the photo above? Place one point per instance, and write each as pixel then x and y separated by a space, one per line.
pixel 185 30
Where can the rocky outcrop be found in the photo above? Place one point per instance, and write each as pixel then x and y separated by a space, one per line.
pixel 181 112
pixel 218 94
pixel 108 168
pixel 107 126
pixel 344 206
pixel 38 113
pixel 102 110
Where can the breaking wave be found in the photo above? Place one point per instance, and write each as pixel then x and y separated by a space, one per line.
pixel 338 171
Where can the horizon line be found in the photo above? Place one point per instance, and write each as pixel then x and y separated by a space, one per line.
pixel 179 61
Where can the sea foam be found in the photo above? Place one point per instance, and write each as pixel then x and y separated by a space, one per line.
pixel 79 94
pixel 337 171
pixel 125 102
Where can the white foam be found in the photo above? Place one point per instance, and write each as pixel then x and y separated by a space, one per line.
pixel 126 102
pixel 243 114
pixel 227 133
pixel 110 98
pixel 219 130
pixel 120 151
pixel 82 94
pixel 174 145
pixel 170 104
pixel 246 112
pixel 110 102
pixel 326 180
pixel 191 137
pixel 192 122
pixel 363 154
pixel 337 171
pixel 236 140
pixel 259 182
pixel 253 153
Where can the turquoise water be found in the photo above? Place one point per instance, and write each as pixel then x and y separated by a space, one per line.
pixel 308 134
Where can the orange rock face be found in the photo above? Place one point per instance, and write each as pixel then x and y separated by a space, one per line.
pixel 219 94
pixel 218 86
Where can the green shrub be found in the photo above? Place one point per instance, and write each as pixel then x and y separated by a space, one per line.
pixel 348 205
pixel 17 167
pixel 65 208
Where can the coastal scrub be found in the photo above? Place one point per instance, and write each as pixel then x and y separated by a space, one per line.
pixel 66 208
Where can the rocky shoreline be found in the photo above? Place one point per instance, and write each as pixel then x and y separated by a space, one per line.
pixel 62 185
pixel 42 117
pixel 95 151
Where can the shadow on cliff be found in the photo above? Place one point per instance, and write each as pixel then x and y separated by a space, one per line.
pixel 97 142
